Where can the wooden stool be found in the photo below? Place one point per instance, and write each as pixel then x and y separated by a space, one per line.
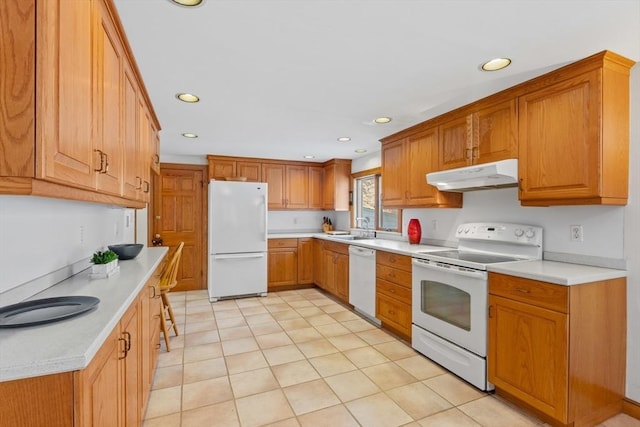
pixel 168 280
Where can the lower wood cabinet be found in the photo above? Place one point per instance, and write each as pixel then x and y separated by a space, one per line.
pixel 112 391
pixel 559 351
pixel 393 292
pixel 290 263
pixel 333 272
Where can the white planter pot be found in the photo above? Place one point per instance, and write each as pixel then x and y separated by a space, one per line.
pixel 102 271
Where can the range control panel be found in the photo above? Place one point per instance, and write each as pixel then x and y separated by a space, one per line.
pixel 501 232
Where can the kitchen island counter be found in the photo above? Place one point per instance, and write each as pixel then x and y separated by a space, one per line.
pixel 70 344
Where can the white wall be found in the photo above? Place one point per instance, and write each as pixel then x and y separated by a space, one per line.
pixel 40 235
pixel 632 244
pixel 299 221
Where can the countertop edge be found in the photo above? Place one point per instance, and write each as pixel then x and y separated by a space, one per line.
pixel 79 359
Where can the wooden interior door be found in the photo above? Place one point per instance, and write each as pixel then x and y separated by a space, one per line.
pixel 180 214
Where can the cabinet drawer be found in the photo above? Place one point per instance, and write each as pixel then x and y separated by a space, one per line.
pixel 394 313
pixel 341 248
pixel 394 275
pixel 400 293
pixel 283 243
pixel 390 259
pixel 541 294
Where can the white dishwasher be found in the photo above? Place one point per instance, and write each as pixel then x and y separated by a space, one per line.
pixel 362 281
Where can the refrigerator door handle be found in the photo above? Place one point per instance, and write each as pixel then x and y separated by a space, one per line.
pixel 239 256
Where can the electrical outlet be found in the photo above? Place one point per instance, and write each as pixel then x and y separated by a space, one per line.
pixel 434 224
pixel 576 233
pixel 81 234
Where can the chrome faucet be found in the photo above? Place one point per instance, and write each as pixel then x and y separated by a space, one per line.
pixel 368 232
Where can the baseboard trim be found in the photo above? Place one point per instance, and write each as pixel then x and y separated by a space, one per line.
pixel 631 408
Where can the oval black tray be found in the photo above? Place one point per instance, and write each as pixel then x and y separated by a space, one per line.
pixel 45 310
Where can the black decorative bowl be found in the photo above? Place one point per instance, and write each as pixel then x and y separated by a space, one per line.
pixel 127 250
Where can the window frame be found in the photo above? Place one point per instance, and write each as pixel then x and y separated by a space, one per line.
pixel 377 173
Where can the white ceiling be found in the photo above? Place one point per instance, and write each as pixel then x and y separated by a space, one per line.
pixel 286 78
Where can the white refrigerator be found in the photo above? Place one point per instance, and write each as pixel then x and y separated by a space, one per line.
pixel 237 239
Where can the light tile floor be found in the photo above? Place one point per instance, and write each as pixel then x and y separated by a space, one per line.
pixel 299 358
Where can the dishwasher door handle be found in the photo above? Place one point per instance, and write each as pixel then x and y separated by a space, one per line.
pixel 354 250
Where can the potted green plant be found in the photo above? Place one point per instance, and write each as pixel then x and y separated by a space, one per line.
pixel 105 264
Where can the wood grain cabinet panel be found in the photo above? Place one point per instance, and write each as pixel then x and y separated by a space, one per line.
pixel 72 128
pixel 574 138
pixel 305 261
pixel 316 182
pixel 482 134
pixel 558 350
pixel 393 292
pixel 297 187
pixel 337 176
pixel 405 163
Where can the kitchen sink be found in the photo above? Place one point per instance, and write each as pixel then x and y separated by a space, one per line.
pixel 351 237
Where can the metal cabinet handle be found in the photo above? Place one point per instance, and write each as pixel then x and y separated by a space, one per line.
pixel 147 186
pixel 101 154
pixel 468 153
pixel 106 163
pixel 139 184
pixel 523 290
pixel 474 152
pixel 490 312
pixel 125 349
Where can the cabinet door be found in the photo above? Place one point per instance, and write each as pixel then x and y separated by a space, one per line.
pixel 341 273
pixel 98 386
pixel 559 138
pixel 329 267
pixel 329 191
pixel 394 174
pixel 282 267
pixel 316 177
pixel 108 74
pixel 274 175
pixel 527 354
pixel 132 181
pixel 297 184
pixel 220 169
pixel 421 150
pixel 305 261
pixel 146 134
pixel 130 333
pixel 251 170
pixel 454 141
pixel 64 110
pixel 495 130
pixel 318 262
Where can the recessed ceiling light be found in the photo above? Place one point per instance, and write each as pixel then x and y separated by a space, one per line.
pixel 188 3
pixel 187 97
pixel 344 139
pixel 382 120
pixel 496 64
pixel 189 135
pixel 360 150
pixel 308 156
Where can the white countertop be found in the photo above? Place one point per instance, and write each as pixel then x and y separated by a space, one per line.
pixel 560 273
pixel 401 247
pixel 70 344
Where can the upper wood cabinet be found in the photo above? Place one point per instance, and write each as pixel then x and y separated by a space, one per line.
pixel 481 135
pixel 70 126
pixel 228 167
pixel 275 176
pixel 292 185
pixel 405 163
pixel 337 177
pixel 574 135
pixel 316 184
pixel 297 187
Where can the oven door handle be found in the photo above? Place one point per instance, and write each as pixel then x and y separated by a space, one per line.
pixel 476 274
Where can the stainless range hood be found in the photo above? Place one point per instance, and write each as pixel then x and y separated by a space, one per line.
pixel 503 173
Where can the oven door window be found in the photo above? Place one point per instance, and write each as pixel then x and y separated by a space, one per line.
pixel 446 303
